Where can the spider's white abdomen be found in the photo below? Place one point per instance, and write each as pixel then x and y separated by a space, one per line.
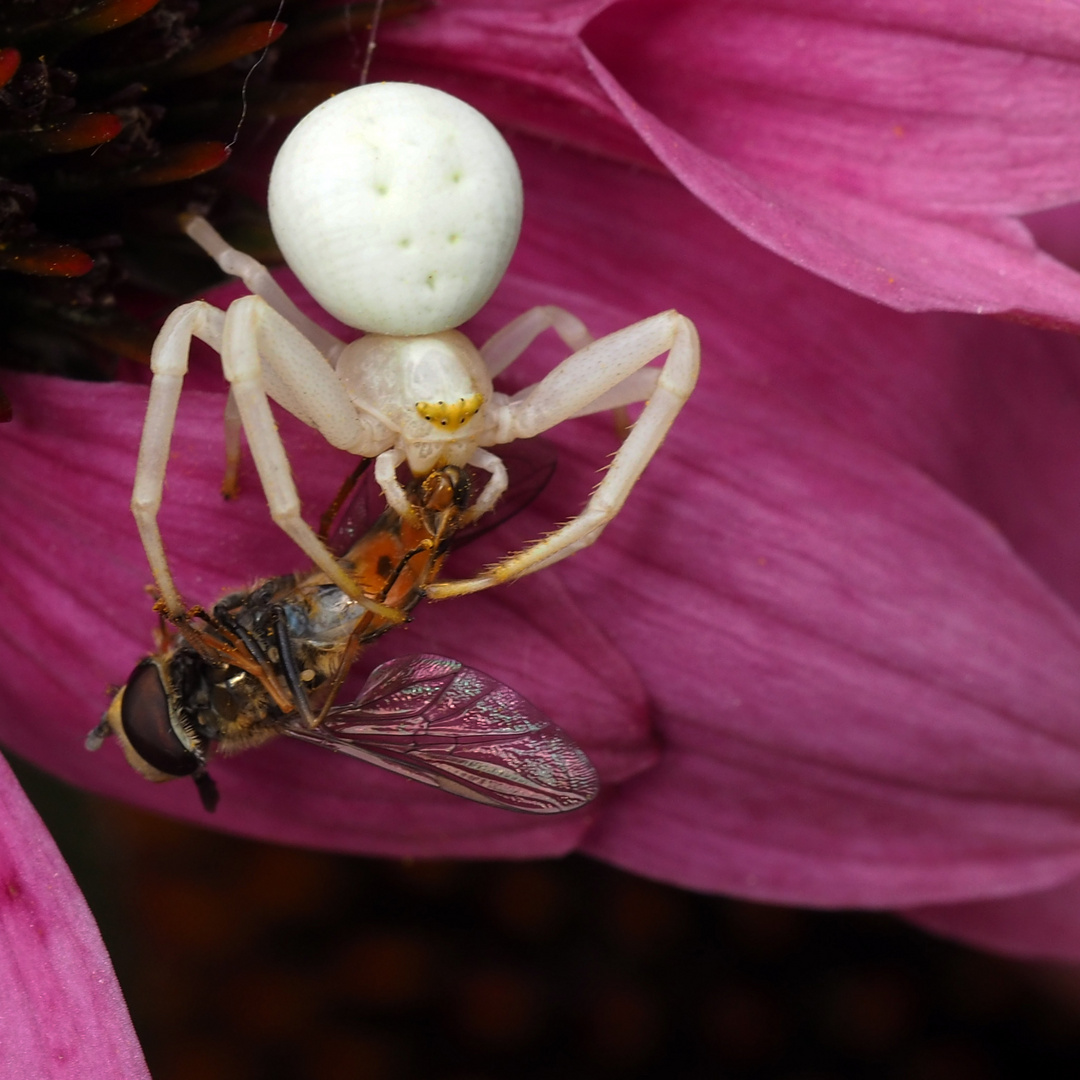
pixel 398 207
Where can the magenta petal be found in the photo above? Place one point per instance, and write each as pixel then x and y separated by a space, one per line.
pixel 877 149
pixel 868 698
pixel 62 1014
pixel 887 147
pixel 1034 926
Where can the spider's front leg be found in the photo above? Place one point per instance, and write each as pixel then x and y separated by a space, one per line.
pixel 507 344
pixel 169 363
pixel 260 281
pixel 263 353
pixel 604 374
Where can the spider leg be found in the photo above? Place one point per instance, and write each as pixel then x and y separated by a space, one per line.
pixel 230 482
pixel 169 363
pixel 493 489
pixel 571 389
pixel 507 344
pixel 261 353
pixel 258 279
pixel 386 467
pixel 634 388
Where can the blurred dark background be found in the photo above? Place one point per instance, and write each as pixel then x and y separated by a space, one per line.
pixel 245 961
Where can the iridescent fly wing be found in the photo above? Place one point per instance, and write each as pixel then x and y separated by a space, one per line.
pixel 453 727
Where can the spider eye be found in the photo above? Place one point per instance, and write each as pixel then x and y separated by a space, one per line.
pixel 149 725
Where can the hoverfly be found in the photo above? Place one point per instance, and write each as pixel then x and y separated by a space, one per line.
pixel 270 661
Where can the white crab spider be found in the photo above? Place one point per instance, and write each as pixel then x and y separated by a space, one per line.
pixel 398 207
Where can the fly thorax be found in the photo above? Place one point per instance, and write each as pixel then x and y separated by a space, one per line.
pixel 326 616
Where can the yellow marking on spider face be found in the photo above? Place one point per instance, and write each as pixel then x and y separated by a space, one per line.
pixel 450 415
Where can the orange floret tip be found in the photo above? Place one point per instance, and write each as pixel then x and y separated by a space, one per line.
pixel 181 163
pixel 46 260
pixel 9 64
pixel 78 133
pixel 110 14
pixel 222 49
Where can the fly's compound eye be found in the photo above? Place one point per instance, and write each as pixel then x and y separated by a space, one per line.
pixel 162 738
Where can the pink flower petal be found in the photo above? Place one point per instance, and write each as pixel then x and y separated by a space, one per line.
pixel 1035 926
pixel 869 698
pixel 887 147
pixel 62 1013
